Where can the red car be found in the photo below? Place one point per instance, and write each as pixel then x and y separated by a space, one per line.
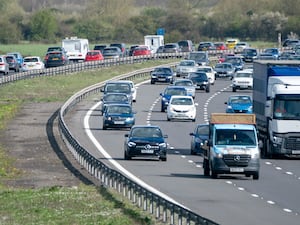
pixel 224 56
pixel 141 50
pixel 94 55
pixel 220 46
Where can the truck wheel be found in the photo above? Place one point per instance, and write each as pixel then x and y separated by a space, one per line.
pixel 255 176
pixel 206 167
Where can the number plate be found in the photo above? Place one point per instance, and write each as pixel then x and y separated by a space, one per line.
pixel 295 152
pixel 148 151
pixel 119 122
pixel 237 170
pixel 161 79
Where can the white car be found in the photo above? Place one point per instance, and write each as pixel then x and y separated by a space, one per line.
pixel 240 46
pixel 33 63
pixel 188 85
pixel 185 67
pixel 133 89
pixel 211 74
pixel 181 108
pixel 242 79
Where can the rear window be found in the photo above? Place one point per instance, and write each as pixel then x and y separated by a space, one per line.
pixel 31 60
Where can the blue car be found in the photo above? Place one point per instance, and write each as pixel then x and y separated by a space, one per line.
pixel 239 104
pixel 199 136
pixel 118 116
pixel 145 141
pixel 167 94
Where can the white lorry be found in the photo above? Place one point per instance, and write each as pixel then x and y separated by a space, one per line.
pixel 76 48
pixel 276 103
pixel 154 42
pixel 231 146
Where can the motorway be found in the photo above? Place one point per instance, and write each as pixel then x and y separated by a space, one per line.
pixel 274 199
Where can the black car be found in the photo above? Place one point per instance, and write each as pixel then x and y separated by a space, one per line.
pixel 162 74
pixel 13 63
pixel 145 141
pixel 111 98
pixel 201 81
pixel 56 58
pixel 199 136
pixel 100 47
pixel 118 116
pixel 249 54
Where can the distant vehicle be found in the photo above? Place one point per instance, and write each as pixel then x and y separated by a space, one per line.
pixel 13 63
pixel 76 48
pixel 168 93
pixel 239 104
pixel 121 46
pixel 220 46
pixel 199 136
pixel 185 67
pixel 145 141
pixel 141 51
pixel 211 74
pixel 249 54
pixel 160 49
pixel 242 79
pixel 188 85
pixel 18 56
pixel 133 88
pixel 162 75
pixel 200 57
pixel 240 46
pixel 55 58
pixel 118 86
pixel 118 116
pixel 275 52
pixel 290 42
pixel 112 53
pixel 93 55
pixel 231 42
pixel 224 70
pixel 200 80
pixel 4 66
pixel 131 49
pixel 236 61
pixel 224 56
pixel 206 46
pixel 154 42
pixel 33 63
pixel 181 108
pixel 186 45
pixel 113 98
pixel 171 48
pixel 100 47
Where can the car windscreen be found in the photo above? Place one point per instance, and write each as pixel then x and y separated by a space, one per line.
pixel 115 98
pixel 182 101
pixel 31 60
pixel 235 137
pixel 187 63
pixel 118 88
pixel 184 83
pixel 118 109
pixel 175 91
pixel 150 132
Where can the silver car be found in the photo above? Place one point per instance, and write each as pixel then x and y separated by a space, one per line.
pixel 188 85
pixel 4 66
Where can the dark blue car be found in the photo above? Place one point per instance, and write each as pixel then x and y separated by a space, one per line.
pixel 145 141
pixel 163 75
pixel 199 136
pixel 118 116
pixel 239 104
pixel 167 94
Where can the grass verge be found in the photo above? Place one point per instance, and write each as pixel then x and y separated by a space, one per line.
pixel 60 205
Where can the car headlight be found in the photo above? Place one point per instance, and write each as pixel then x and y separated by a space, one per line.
pixel 129 119
pixel 131 144
pixel 219 155
pixel 164 99
pixel 163 145
pixel 277 140
pixel 255 154
pixel 109 118
pixel 229 107
pixel 153 76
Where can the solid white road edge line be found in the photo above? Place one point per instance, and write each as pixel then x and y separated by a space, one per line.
pixel 116 164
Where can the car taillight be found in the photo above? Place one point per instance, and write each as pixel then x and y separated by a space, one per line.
pixel 46 57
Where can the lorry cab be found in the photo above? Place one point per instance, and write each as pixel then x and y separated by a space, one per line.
pixel 232 146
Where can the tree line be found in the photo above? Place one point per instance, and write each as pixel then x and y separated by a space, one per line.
pixel 127 21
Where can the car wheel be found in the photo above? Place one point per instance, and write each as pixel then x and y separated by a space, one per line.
pixel 206 167
pixel 193 151
pixel 233 89
pixel 207 90
pixel 126 156
pixel 255 176
pixel 104 127
pixel 194 120
pixel 162 109
pixel 214 174
pixel 168 119
pixel 164 159
pixel 152 82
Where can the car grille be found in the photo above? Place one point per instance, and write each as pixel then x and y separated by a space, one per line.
pixel 236 160
pixel 118 118
pixel 244 82
pixel 148 146
pixel 292 143
pixel 180 111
